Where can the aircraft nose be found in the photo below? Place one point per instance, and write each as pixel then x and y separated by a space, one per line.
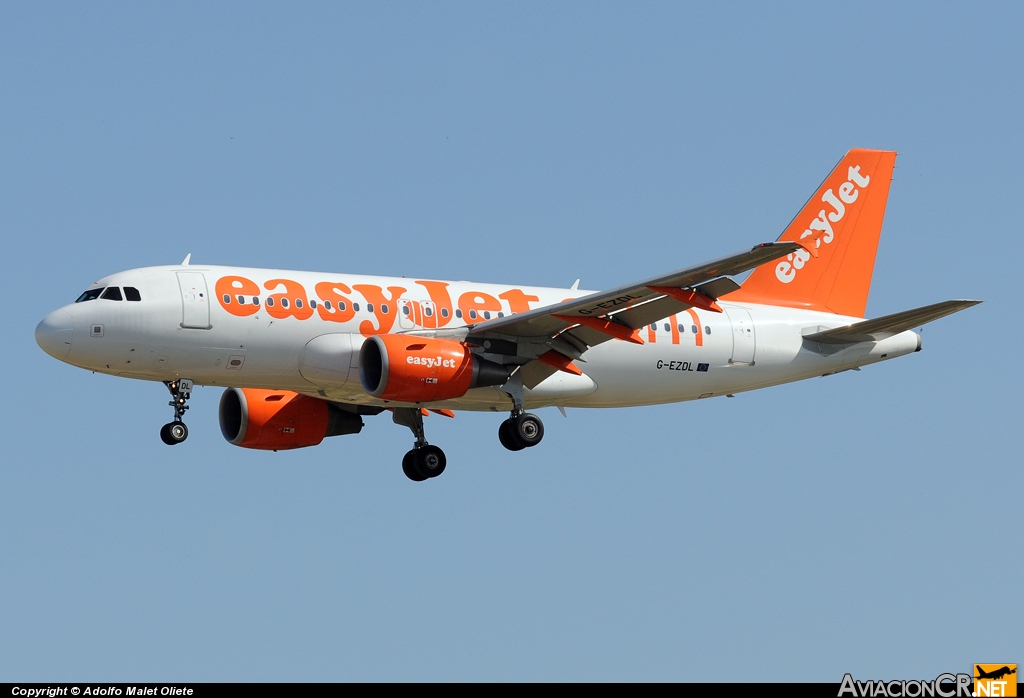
pixel 53 334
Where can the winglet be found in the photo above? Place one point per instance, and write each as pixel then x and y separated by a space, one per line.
pixel 575 285
pixel 185 261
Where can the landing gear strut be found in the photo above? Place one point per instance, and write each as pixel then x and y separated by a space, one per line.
pixel 423 461
pixel 522 429
pixel 175 432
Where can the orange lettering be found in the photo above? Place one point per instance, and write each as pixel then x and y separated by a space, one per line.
pixel 341 309
pixel 518 302
pixel 291 303
pixel 229 288
pixel 699 337
pixel 384 309
pixel 472 302
pixel 442 301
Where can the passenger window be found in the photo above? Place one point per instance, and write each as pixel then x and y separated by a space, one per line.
pixel 696 330
pixel 227 299
pixel 241 299
pixel 501 314
pixel 472 315
pixel 429 311
pixel 270 302
pixel 369 307
pixel 312 304
pixel 255 300
pixel 384 308
pixel 341 306
pixel 458 312
pixel 112 294
pixel 355 307
pixel 90 295
pixel 654 326
pixel 707 329
pixel 298 302
pixel 327 304
pixel 132 294
pixel 444 312
pixel 668 327
pixel 681 328
pixel 405 310
pixel 487 315
pixel 284 302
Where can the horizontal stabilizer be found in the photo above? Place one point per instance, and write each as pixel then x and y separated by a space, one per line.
pixel 884 327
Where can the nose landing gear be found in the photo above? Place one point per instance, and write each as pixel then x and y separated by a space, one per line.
pixel 423 461
pixel 175 432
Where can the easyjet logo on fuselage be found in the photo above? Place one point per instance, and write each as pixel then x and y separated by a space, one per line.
pixel 821 227
pixel 333 302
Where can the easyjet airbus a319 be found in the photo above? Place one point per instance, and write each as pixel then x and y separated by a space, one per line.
pixel 307 355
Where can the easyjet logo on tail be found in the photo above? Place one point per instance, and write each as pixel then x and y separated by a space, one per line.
pixel 821 227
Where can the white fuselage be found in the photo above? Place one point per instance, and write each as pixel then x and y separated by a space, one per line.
pixel 183 328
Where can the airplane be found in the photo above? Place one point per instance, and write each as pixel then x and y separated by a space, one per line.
pixel 306 355
pixel 996 674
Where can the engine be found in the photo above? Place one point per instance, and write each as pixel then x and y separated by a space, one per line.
pixel 277 420
pixel 406 368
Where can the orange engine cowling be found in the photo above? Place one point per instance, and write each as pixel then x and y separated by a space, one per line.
pixel 277 420
pixel 407 368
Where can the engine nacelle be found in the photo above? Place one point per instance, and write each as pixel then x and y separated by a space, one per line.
pixel 277 420
pixel 407 368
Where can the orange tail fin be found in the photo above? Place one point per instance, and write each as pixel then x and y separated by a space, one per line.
pixel 839 229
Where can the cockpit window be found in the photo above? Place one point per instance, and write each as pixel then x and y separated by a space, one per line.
pixel 113 293
pixel 132 294
pixel 90 295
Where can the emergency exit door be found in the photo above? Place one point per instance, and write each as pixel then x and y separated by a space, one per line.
pixel 744 340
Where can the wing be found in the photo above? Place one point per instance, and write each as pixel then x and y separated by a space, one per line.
pixel 548 339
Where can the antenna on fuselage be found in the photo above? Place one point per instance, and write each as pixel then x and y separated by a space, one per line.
pixel 184 262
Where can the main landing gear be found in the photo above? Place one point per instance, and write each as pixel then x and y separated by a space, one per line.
pixel 522 429
pixel 175 432
pixel 423 461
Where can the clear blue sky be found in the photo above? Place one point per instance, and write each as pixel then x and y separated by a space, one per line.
pixel 863 522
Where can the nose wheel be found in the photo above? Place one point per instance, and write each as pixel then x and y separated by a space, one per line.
pixel 175 432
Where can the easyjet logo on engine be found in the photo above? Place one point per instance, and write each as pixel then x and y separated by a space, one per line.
pixel 821 227
pixel 430 361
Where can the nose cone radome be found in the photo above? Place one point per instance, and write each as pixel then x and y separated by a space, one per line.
pixel 53 334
